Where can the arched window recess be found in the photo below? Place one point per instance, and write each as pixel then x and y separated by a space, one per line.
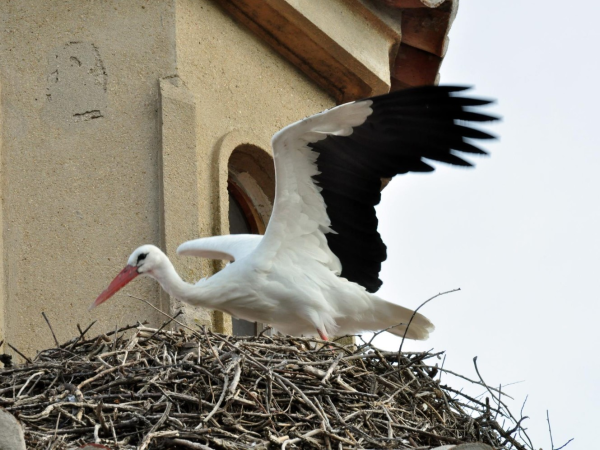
pixel 251 191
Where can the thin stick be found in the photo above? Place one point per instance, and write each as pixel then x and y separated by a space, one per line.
pixel 162 312
pixel 550 430
pixel 81 333
pixel 441 369
pixel 20 354
pixel 415 313
pixel 87 328
pixel 56 427
pixel 216 408
pixel 501 404
pixel 190 444
pixel 51 330
pixel 156 426
pixel 180 312
pixel 563 446
pixel 489 389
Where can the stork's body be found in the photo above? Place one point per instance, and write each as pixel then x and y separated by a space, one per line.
pixel 297 302
pixel 317 266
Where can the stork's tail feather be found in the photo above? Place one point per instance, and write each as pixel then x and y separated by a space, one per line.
pixel 386 315
pixel 419 327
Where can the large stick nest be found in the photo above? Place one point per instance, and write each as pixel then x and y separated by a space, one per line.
pixel 153 389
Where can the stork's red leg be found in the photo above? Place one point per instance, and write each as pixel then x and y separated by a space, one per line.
pixel 325 338
pixel 323 335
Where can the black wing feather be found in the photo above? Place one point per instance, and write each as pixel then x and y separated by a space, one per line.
pixel 405 127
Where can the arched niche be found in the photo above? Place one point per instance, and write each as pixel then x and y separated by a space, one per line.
pixel 251 185
pixel 246 195
pixel 241 158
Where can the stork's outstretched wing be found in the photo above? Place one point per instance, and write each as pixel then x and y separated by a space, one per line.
pixel 231 247
pixel 329 168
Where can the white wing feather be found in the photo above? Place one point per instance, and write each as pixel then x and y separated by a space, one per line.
pixel 299 220
pixel 232 247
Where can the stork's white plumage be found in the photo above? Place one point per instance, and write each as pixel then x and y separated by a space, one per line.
pixel 317 266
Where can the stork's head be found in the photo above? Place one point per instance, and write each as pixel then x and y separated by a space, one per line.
pixel 143 261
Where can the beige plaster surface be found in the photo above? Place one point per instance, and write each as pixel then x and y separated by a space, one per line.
pixel 113 119
pixel 80 149
pixel 2 189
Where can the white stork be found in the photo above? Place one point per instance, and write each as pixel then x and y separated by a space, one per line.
pixel 317 266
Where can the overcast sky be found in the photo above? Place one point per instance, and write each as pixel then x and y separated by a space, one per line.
pixel 520 233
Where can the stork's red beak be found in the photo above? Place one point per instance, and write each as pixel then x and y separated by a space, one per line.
pixel 124 277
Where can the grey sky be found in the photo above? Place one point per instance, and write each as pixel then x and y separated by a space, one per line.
pixel 519 234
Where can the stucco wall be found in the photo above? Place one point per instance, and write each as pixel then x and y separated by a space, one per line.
pixel 103 106
pixel 80 145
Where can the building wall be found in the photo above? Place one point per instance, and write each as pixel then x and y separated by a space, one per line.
pixel 117 122
pixel 80 145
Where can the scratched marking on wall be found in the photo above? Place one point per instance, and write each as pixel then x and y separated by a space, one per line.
pixel 76 83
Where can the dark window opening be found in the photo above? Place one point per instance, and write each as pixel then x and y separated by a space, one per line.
pixel 251 186
pixel 238 224
pixel 242 208
pixel 242 220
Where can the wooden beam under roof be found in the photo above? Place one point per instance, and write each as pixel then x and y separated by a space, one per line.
pixel 354 48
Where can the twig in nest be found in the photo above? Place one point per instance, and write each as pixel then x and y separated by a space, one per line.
pixel 552 440
pixel 20 354
pixel 82 333
pixel 180 312
pixel 506 435
pixel 489 389
pixel 156 426
pixel 162 312
pixel 216 408
pixel 51 330
pixel 550 430
pixel 189 444
pixel 415 313
pixel 265 330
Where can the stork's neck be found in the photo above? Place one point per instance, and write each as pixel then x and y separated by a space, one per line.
pixel 172 283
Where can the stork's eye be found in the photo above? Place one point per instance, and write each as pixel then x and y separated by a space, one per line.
pixel 141 257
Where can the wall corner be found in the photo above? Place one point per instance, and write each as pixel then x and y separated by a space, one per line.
pixel 179 197
pixel 3 277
